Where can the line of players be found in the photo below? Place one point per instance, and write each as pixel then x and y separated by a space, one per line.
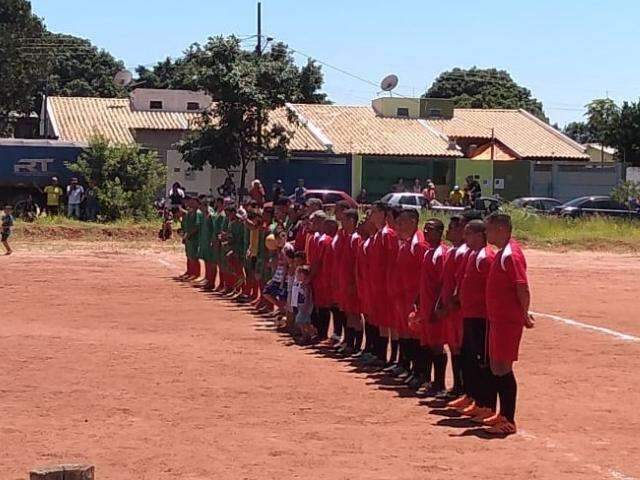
pixel 397 295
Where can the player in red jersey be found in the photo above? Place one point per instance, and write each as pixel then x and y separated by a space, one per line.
pixel 507 301
pixel 321 276
pixel 411 252
pixel 432 328
pixel 346 280
pixel 366 230
pixel 337 248
pixel 449 307
pixel 478 400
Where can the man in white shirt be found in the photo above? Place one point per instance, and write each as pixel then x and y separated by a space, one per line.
pixel 75 192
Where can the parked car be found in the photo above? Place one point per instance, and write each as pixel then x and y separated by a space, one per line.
pixel 484 205
pixel 537 204
pixel 597 205
pixel 328 197
pixel 406 200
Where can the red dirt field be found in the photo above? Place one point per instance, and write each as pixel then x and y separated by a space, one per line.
pixel 105 359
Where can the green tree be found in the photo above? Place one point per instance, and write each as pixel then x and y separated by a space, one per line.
pixel 602 117
pixel 247 88
pixel 79 69
pixel 310 84
pixel 578 131
pixel 22 67
pixel 128 179
pixel 484 88
pixel 625 133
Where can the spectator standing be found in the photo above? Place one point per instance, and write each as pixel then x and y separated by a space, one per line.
pixel 417 186
pixel 278 191
pixel 228 188
pixel 91 202
pixel 299 192
pixel 7 225
pixel 473 190
pixel 177 195
pixel 429 192
pixel 257 192
pixel 399 187
pixel 456 197
pixel 75 193
pixel 54 193
pixel 362 196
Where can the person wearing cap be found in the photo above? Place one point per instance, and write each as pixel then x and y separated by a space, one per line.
pixel 299 192
pixel 456 197
pixel 75 194
pixel 277 192
pixel 54 193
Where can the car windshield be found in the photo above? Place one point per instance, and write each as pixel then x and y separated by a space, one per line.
pixel 386 198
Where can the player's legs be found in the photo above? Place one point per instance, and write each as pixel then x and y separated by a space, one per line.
pixel 7 247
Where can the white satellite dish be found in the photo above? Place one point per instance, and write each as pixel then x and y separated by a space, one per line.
pixel 123 78
pixel 389 83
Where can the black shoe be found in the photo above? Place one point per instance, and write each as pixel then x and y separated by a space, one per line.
pixel 416 382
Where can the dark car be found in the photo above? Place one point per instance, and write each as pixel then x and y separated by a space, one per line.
pixel 328 197
pixel 537 204
pixel 597 205
pixel 485 205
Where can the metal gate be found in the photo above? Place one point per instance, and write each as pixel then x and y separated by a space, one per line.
pixel 567 181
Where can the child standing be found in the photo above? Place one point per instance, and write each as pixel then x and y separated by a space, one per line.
pixel 7 225
pixel 305 304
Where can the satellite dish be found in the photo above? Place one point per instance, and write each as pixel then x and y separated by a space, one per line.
pixel 123 78
pixel 389 83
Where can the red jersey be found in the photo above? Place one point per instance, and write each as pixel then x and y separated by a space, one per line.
pixel 384 250
pixel 453 267
pixel 473 287
pixel 300 241
pixel 410 255
pixel 363 279
pixel 347 296
pixel 311 246
pixel 431 271
pixel 337 247
pixel 322 265
pixel 508 270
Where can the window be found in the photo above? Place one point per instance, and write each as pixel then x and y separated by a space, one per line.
pixel 434 113
pixel 333 198
pixel 189 175
pixel 193 106
pixel 155 105
pixel 403 112
pixel 408 200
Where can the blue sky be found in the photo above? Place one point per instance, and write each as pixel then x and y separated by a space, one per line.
pixel 566 52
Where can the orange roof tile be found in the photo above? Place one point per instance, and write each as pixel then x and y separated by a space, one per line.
pixel 500 153
pixel 521 132
pixel 77 119
pixel 358 130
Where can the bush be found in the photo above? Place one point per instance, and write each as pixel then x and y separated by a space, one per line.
pixel 625 191
pixel 127 178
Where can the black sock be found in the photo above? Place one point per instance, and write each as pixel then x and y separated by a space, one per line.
pixel 338 321
pixel 324 315
pixel 358 339
pixel 456 366
pixel 405 353
pixel 394 351
pixel 381 353
pixel 428 362
pixel 487 388
pixel 440 370
pixel 507 391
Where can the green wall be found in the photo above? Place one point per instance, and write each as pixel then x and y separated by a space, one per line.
pixel 380 173
pixel 516 175
pixel 481 169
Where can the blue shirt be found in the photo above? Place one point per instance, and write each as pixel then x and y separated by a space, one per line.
pixel 7 223
pixel 299 194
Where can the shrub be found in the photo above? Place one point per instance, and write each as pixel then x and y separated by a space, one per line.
pixel 127 178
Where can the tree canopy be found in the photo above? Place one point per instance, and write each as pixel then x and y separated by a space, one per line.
pixel 247 88
pixel 484 88
pixel 22 68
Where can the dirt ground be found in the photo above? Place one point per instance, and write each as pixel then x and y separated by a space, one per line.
pixel 105 359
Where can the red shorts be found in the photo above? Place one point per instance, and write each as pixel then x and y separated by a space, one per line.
pixel 402 318
pixel 435 333
pixel 454 330
pixel 504 341
pixel 383 311
pixel 349 303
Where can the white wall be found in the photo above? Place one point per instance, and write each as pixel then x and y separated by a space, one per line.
pixel 633 174
pixel 172 100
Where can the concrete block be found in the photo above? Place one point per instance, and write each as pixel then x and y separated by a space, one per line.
pixel 63 472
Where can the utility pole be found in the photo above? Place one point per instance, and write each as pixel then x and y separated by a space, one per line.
pixel 258 158
pixel 259 45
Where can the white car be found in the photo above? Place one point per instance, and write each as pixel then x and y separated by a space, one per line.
pixel 406 200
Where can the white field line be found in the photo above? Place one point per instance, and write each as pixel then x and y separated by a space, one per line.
pixel 594 328
pixel 166 264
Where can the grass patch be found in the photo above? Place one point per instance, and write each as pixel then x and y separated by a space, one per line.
pixel 589 233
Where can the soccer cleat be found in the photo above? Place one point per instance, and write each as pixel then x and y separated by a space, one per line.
pixel 493 420
pixel 470 411
pixel 482 414
pixel 398 371
pixel 417 382
pixel 461 402
pixel 404 375
pixel 446 395
pixel 390 368
pixel 503 429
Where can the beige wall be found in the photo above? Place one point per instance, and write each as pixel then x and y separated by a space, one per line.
pixel 388 106
pixel 172 100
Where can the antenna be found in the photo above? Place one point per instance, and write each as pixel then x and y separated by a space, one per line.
pixel 123 78
pixel 389 83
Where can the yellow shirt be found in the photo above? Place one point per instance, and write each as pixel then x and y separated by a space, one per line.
pixel 53 192
pixel 455 197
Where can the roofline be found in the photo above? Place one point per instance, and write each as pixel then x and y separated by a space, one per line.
pixel 40 142
pixel 555 132
pixel 316 132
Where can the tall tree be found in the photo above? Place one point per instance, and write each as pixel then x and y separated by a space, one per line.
pixel 484 88
pixel 624 135
pixel 602 117
pixel 22 68
pixel 578 131
pixel 247 88
pixel 79 69
pixel 311 81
